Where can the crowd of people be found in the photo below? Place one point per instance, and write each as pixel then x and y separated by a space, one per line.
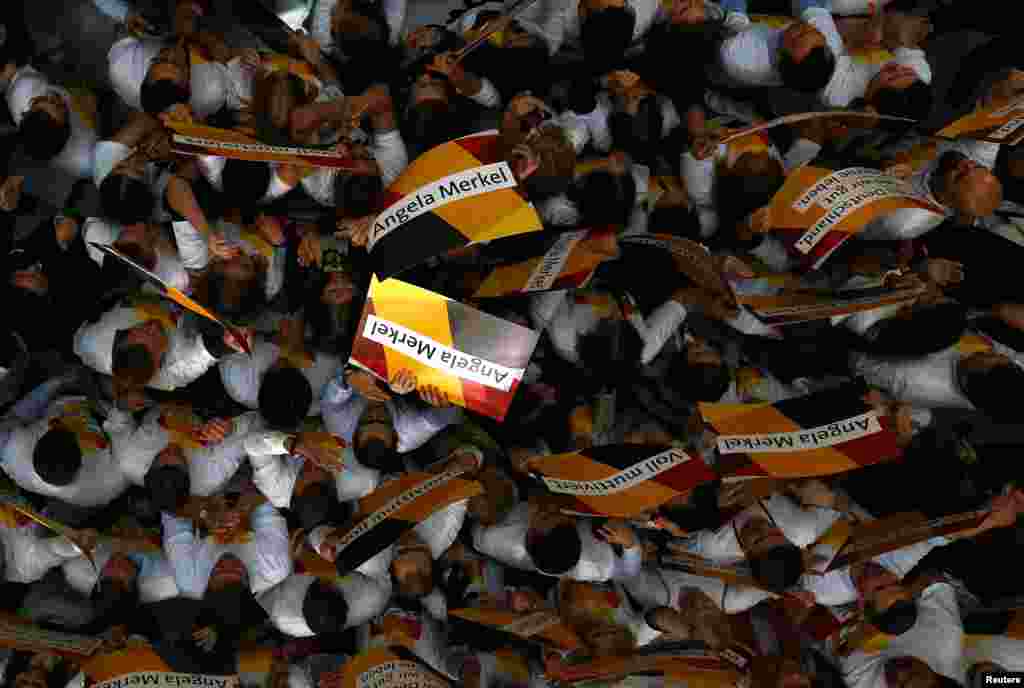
pixel 207 478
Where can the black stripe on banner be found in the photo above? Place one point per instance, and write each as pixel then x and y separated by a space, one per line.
pixel 408 246
pixel 826 407
pixel 623 456
pixel 371 543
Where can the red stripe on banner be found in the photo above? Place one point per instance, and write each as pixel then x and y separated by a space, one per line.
pixel 369 354
pixel 389 198
pixel 487 400
pixel 486 149
pixel 686 476
pixel 572 281
pixel 875 448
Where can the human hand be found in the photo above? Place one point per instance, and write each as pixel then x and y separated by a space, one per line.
pixel 215 430
pixel 250 57
pixel 85 539
pixel 434 396
pixel 1003 511
pixel 220 248
pixel 944 272
pixel 366 384
pixel 620 81
pixel 270 229
pixel 356 230
pixel 156 146
pixel 403 382
pixel 66 230
pixel 731 266
pixel 331 679
pixel 618 533
pixel 447 65
pixel 303 120
pixel 225 523
pixel 761 220
pixel 31 281
pixel 814 492
pixel 310 250
pixel 322 448
pixel 10 193
pixel 688 12
pixel 704 146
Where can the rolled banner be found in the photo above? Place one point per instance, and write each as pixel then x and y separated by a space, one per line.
pixel 195 140
pixel 174 294
pixel 804 116
pixel 55 526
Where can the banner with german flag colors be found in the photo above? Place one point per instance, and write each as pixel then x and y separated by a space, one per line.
pixel 817 209
pixel 699 668
pixel 568 263
pixel 458 193
pixel 142 666
pixel 783 300
pixel 478 360
pixel 829 432
pixel 390 667
pixel 396 507
pixel 17 634
pixel 621 480
pixel 872 538
pixel 198 139
pixel 693 259
pixel 1003 123
pixel 545 626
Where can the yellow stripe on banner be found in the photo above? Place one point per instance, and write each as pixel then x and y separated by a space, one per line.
pixel 775 21
pixel 877 56
pixel 512 215
pixel 433 165
pixel 130 660
pixel 973 344
pixel 424 312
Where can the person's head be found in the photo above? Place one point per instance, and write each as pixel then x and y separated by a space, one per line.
pixel 124 196
pixel 888 605
pixel 918 331
pixel 638 123
pixel 235 285
pixel 324 608
pixel 544 163
pixel 275 97
pixel 774 561
pixel 431 116
pixel 498 498
pixel 46 127
pixel 138 352
pixel 697 510
pixel 608 354
pixel 911 672
pixel 966 186
pixel 749 184
pixel 120 572
pixel 227 592
pixel 606 31
pixel 805 61
pixel 57 456
pixel 375 441
pixel 168 480
pixel 312 505
pixel 360 27
pixel 246 182
pixel 167 81
pixel 356 195
pixel 284 397
pixel 898 91
pixel 412 567
pixel 989 381
pixel 553 543
pixel 699 372
pixel 136 243
pixel 521 63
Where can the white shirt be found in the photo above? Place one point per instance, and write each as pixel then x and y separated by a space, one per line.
pixel 266 557
pixel 929 382
pixel 598 562
pixel 936 639
pixel 342 407
pixel 999 649
pixel 98 482
pixel 836 587
pixel 155 579
pixel 802 527
pixel 210 468
pixel 76 158
pixel 27 556
pixel 388 150
pixel 366 597
pixel 185 361
pixel 242 374
pixel 320 23
pixel 750 58
pixel 852 76
pixel 654 587
pixel 169 267
pixel 129 60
